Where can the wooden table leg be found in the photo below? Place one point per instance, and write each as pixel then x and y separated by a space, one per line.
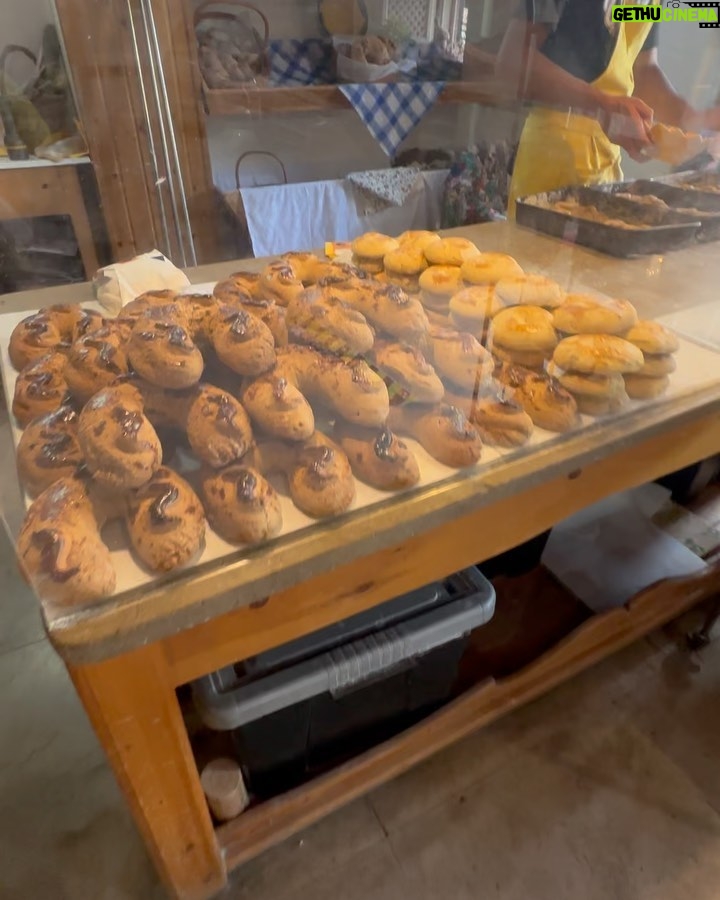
pixel 136 716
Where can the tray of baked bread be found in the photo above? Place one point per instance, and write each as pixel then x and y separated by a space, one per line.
pixel 617 226
pixel 664 196
pixel 200 424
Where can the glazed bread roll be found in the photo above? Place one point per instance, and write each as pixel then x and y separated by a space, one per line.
pixel 471 309
pixel 642 387
pixel 490 268
pixel 369 250
pixel 165 521
pixel 33 338
pixel 378 457
pixel 598 354
pixel 49 450
pixel 438 284
pixel 652 338
pixel 450 251
pixel 164 354
pixel 404 267
pixel 529 290
pixel 41 387
pixel 242 507
pixel 524 328
pixel 95 361
pixel 444 431
pixel 581 314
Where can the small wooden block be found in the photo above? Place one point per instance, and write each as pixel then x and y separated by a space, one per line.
pixel 224 788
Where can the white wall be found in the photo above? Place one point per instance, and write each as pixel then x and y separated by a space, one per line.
pixel 22 22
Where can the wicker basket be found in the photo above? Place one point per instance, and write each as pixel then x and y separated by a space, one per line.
pixel 208 11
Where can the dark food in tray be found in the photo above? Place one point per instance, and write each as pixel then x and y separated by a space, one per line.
pixel 697 205
pixel 615 225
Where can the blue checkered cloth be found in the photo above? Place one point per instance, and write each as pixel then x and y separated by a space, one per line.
pixel 391 111
pixel 301 62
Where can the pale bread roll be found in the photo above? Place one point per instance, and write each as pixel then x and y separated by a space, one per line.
pixel 601 406
pixel 655 366
pixel 582 314
pixel 530 290
pixel 598 386
pixel 524 328
pixel 438 284
pixel 598 354
pixel 640 387
pixel 651 337
pixel 490 268
pixel 529 359
pixel 450 251
pixel 475 305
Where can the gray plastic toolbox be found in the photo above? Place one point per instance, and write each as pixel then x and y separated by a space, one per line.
pixel 300 707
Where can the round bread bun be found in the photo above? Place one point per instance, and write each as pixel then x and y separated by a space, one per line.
pixel 370 249
pixel 438 284
pixel 474 305
pixel 599 386
pixel 657 365
pixel 530 290
pixel 524 328
pixel 640 387
pixel 529 359
pixel 598 354
pixel 651 337
pixel 405 261
pixel 490 268
pixel 601 406
pixel 418 240
pixel 451 251
pixel 582 314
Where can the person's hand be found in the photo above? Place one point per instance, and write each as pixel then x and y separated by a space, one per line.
pixel 627 122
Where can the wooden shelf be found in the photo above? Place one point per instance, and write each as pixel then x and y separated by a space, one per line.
pixel 282 100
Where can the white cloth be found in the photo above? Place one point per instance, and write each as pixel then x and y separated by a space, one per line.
pixel 304 216
pixel 118 284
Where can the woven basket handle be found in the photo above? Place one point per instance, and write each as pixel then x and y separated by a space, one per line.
pixel 267 153
pixel 8 50
pixel 205 11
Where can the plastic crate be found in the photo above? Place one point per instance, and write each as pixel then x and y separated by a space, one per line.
pixel 297 709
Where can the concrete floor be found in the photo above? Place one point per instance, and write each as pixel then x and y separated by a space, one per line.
pixel 608 788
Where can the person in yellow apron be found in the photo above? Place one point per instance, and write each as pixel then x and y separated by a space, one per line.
pixel 602 85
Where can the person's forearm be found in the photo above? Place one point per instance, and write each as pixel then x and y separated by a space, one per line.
pixel 669 107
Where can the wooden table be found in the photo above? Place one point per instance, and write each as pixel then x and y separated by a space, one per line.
pixel 34 188
pixel 127 657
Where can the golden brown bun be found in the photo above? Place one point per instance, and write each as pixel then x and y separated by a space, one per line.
pixel 529 290
pixel 241 505
pixel 418 240
pixel 451 251
pixel 657 365
pixel 524 328
pixel 378 457
pixel 405 261
pixel 597 354
pixel 581 314
pixel 652 338
pixel 603 386
pixel 490 268
pixel 373 247
pixel 641 387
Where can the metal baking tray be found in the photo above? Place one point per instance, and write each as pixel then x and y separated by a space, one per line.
pixel 656 231
pixel 694 204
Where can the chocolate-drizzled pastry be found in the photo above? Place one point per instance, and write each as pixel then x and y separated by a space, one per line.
pixel 59 546
pixel 443 430
pixel 40 388
pixel 542 397
pixel 164 354
pixel 405 366
pixel 166 521
pixel 95 361
pixel 121 448
pixel 378 457
pixel 49 450
pixel 242 291
pixel 241 505
pixel 218 427
pixel 243 342
pixel 32 338
pixel 318 473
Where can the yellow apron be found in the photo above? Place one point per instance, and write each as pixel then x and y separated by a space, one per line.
pixel 558 149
